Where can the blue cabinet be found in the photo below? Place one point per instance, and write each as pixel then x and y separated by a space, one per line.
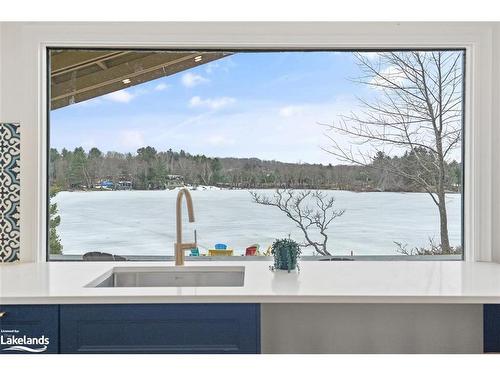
pixel 130 328
pixel 29 329
pixel 160 328
pixel 491 328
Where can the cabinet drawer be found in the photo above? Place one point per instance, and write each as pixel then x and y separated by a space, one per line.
pixel 161 328
pixel 29 329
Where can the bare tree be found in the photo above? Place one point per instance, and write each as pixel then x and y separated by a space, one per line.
pixel 308 216
pixel 433 249
pixel 418 112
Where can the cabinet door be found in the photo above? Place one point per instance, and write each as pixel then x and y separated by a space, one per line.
pixel 491 328
pixel 29 329
pixel 160 328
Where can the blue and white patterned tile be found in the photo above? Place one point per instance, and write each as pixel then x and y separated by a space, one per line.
pixel 10 153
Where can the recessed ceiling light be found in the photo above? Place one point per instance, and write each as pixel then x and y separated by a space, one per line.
pixel 126 81
pixel 198 58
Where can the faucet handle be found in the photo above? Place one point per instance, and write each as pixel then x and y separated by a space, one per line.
pixel 188 246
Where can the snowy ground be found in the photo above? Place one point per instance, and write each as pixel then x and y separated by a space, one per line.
pixel 143 222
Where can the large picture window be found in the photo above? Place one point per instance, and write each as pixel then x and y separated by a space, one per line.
pixel 353 154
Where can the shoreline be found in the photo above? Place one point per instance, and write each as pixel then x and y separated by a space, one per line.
pixel 217 188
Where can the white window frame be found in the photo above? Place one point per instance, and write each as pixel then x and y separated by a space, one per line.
pixel 24 92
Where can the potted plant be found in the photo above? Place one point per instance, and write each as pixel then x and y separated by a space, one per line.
pixel 286 253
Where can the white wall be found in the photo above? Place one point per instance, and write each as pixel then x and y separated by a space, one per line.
pixel 19 83
pixel 495 99
pixel 22 94
pixel 371 328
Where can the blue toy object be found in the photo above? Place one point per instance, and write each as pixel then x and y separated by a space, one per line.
pixel 195 252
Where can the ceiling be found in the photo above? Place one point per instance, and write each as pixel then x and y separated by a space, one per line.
pixel 79 75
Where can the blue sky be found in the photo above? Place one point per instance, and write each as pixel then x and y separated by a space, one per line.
pixel 264 105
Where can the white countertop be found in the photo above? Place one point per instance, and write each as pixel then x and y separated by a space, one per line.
pixel 317 282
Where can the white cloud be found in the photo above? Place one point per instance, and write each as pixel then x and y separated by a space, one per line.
pixel 372 56
pixel 89 143
pixel 161 87
pixel 220 65
pixel 122 96
pixel 211 103
pixel 191 79
pixel 131 139
pixel 263 133
pixel 211 67
pixel 290 110
pixel 391 73
pixel 220 140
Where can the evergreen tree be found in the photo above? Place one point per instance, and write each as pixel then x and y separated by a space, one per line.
pixel 77 168
pixel 55 246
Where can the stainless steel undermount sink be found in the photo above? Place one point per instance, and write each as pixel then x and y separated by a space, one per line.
pixel 147 277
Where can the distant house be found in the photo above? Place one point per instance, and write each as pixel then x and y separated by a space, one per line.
pixel 174 180
pixel 124 185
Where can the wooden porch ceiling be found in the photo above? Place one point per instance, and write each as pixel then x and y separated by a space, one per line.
pixel 79 75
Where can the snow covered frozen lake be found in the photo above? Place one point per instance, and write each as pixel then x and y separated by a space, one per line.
pixel 143 222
